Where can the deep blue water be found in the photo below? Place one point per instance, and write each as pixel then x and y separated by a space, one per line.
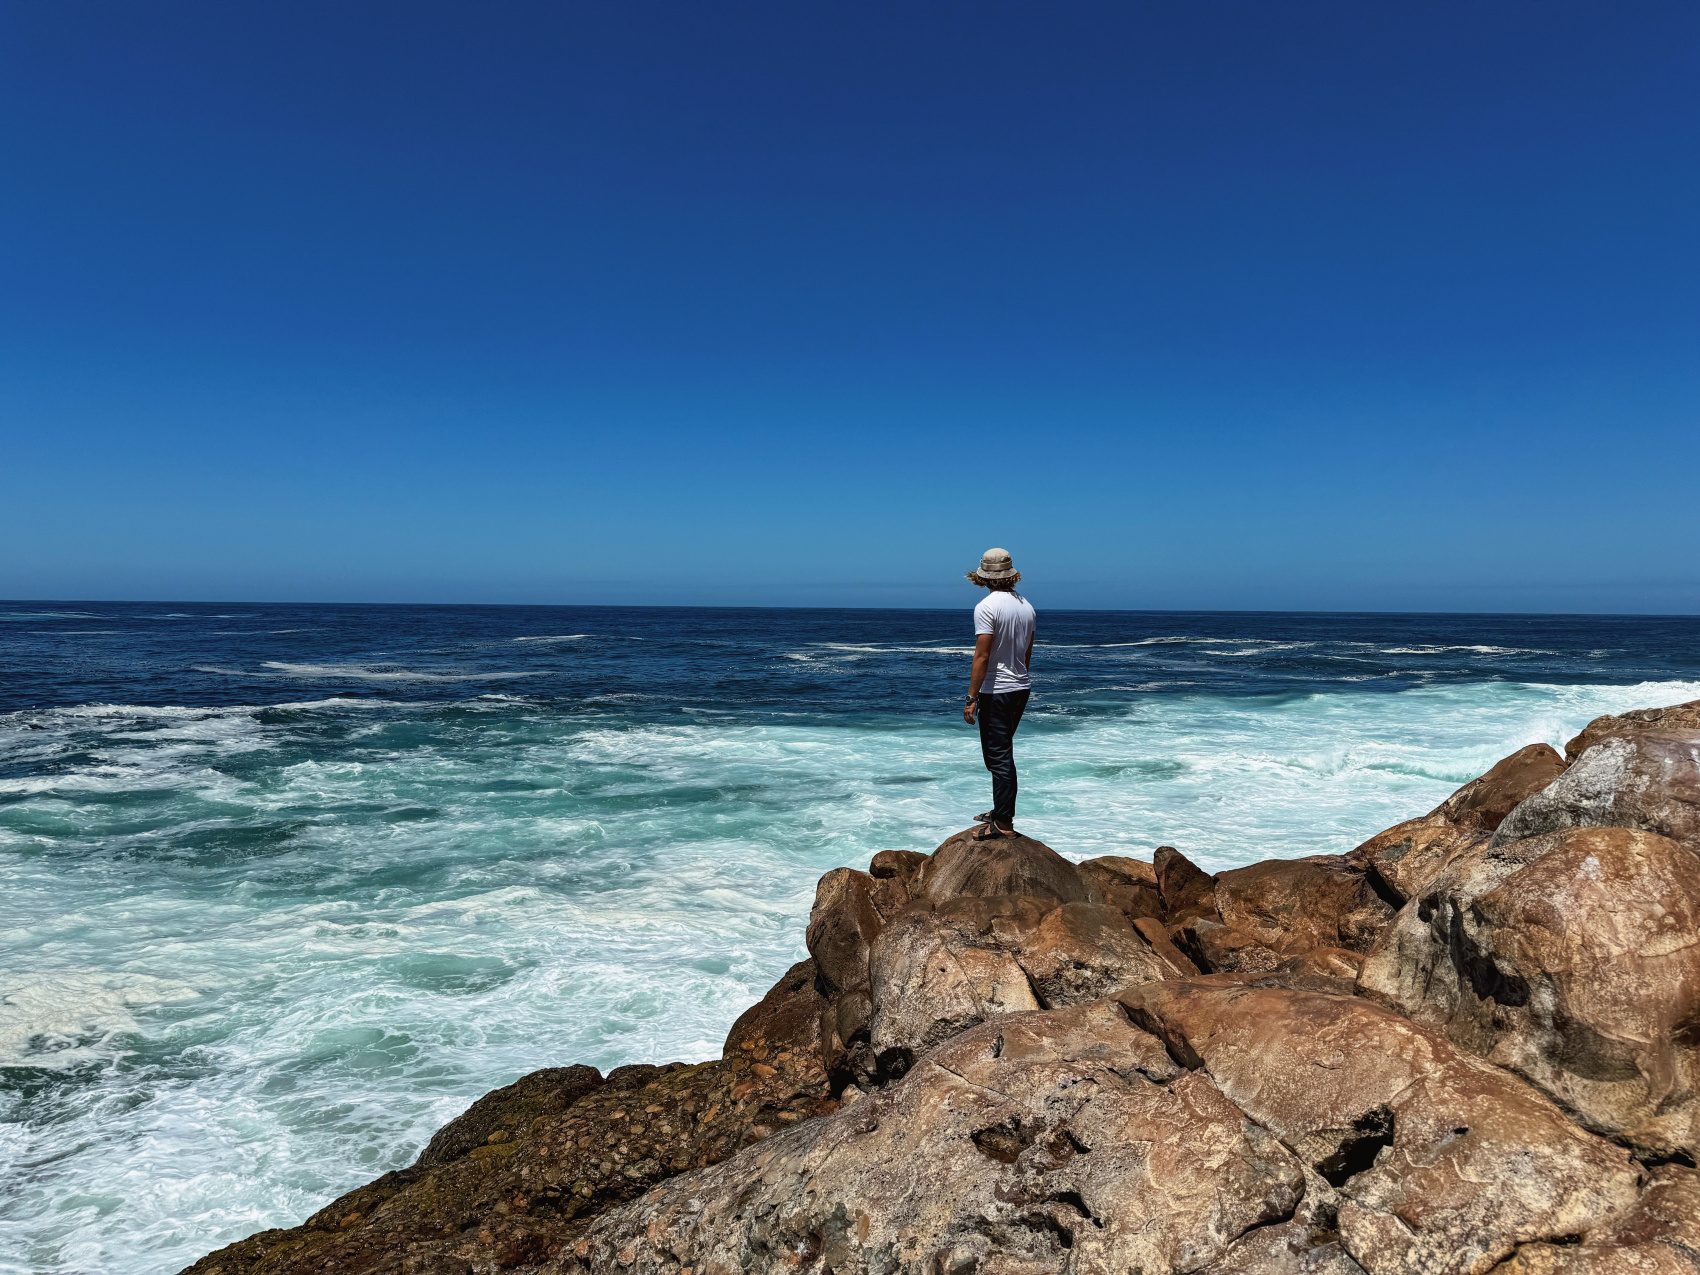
pixel 285 887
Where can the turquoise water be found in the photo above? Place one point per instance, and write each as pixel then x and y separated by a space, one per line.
pixel 286 888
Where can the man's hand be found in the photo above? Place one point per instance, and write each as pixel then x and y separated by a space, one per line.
pixel 968 711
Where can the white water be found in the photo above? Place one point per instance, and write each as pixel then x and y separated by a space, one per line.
pixel 253 958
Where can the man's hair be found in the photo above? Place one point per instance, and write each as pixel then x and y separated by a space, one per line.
pixel 1007 586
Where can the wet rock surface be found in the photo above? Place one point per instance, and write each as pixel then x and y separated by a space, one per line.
pixel 1469 1045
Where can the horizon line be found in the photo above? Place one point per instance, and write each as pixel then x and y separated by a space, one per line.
pixel 699 606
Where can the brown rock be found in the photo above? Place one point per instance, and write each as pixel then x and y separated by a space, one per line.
pixel 1483 803
pixel 901 865
pixel 1085 951
pixel 1065 1140
pixel 1178 961
pixel 1287 1248
pixel 1221 949
pixel 1572 959
pixel 1442 1163
pixel 1183 886
pixel 1648 779
pixel 541 1093
pixel 932 980
pixel 1659 1235
pixel 1292 905
pixel 1405 858
pixel 788 1017
pixel 1672 717
pixel 1129 885
pixel 842 926
pixel 1008 866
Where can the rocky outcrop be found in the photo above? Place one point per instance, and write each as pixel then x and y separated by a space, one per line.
pixel 1471 1044
pixel 1058 1140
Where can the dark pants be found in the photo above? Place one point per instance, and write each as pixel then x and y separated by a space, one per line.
pixel 999 716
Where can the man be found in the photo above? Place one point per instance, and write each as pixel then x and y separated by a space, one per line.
pixel 999 685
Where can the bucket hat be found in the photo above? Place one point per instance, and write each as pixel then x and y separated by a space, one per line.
pixel 995 567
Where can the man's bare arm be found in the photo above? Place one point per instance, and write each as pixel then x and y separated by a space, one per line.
pixel 982 662
pixel 1028 658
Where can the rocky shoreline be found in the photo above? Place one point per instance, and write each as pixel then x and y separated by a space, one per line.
pixel 1471 1044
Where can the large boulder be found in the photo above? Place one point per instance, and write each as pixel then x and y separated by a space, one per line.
pixel 1647 779
pixel 933 978
pixel 851 909
pixel 1044 1142
pixel 1572 959
pixel 1405 858
pixel 1671 717
pixel 1250 920
pixel 1293 905
pixel 787 1018
pixel 1005 867
pixel 1128 885
pixel 1441 1162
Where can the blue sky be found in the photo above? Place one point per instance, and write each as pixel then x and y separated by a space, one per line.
pixel 1219 305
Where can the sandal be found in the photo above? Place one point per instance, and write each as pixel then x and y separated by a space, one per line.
pixel 985 816
pixel 989 831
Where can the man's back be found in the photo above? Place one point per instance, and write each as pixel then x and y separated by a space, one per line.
pixel 1009 618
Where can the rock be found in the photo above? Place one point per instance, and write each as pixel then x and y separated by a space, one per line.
pixel 1066 1139
pixel 1263 914
pixel 1291 906
pixel 1085 951
pixel 530 1097
pixel 1672 717
pixel 1221 949
pixel 1659 1235
pixel 1129 885
pixel 1006 867
pixel 1483 803
pixel 931 980
pixel 1287 1248
pixel 1572 959
pixel 1442 1163
pixel 1185 890
pixel 1404 859
pixel 850 911
pixel 1648 779
pixel 842 927
pixel 788 1017
pixel 1153 933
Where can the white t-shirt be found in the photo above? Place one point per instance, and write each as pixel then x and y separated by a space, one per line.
pixel 1009 618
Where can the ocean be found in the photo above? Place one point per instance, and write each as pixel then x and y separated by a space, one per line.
pixel 286 887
